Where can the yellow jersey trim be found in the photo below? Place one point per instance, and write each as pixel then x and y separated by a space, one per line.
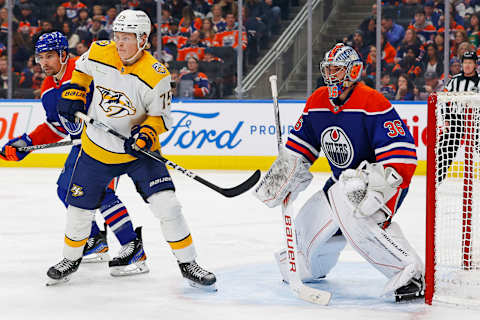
pixel 82 79
pixel 102 155
pixel 75 243
pixel 181 244
pixel 105 54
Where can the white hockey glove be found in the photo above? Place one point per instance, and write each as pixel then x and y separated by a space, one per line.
pixel 369 187
pixel 288 174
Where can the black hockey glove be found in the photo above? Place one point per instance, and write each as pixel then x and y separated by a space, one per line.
pixel 73 99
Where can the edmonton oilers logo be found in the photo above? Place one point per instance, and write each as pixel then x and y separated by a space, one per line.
pixel 337 147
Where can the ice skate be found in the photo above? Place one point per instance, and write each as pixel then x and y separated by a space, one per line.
pixel 61 272
pixel 412 290
pixel 197 276
pixel 131 259
pixel 96 249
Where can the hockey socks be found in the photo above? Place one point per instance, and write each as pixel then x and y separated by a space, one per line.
pixel 117 218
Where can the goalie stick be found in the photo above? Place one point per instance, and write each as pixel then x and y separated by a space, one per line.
pixel 47 146
pixel 296 285
pixel 227 192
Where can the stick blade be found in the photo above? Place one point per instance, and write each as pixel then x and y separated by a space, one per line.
pixel 312 295
pixel 243 187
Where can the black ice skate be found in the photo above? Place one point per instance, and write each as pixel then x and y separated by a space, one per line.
pixel 197 276
pixel 96 249
pixel 61 272
pixel 411 291
pixel 131 259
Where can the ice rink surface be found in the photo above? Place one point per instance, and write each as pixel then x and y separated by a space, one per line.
pixel 235 238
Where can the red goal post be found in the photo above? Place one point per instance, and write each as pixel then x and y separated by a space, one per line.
pixel 452 261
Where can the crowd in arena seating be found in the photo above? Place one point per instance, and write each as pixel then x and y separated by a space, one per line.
pixel 199 37
pixel 412 45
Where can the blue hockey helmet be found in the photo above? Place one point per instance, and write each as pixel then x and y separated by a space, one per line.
pixel 53 41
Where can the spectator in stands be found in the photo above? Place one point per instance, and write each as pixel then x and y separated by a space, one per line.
pixel 46 27
pixel 189 22
pixel 394 32
pixel 473 30
pixel 369 31
pixel 84 22
pixel 97 11
pixel 173 40
pixel 455 67
pixel 177 8
pixel 439 41
pixel 463 47
pixel 388 51
pixel 410 40
pixel 96 31
pixel 210 56
pixel 27 17
pixel 387 88
pixel 410 65
pixel 126 4
pixel 165 20
pixel 219 23
pixel 228 6
pixel 460 37
pixel 26 76
pixel 229 37
pixel 432 84
pixel 150 8
pixel 433 61
pixel 273 16
pixel 431 14
pixel 59 17
pixel 207 32
pixel 111 14
pixel 359 45
pixel 81 48
pixel 405 88
pixel 22 46
pixel 201 7
pixel 73 38
pixel 4 77
pixel 193 48
pixel 4 25
pixel 425 29
pixel 200 80
pixel 73 6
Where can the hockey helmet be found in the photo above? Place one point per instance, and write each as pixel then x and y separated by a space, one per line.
pixel 133 21
pixel 346 59
pixel 53 41
pixel 471 55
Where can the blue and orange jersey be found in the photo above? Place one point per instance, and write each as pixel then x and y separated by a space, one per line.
pixel 52 130
pixel 425 32
pixel 195 25
pixel 201 87
pixel 178 39
pixel 220 25
pixel 230 39
pixel 365 127
pixel 186 52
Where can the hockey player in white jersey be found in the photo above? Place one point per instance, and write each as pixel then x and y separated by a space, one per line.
pixel 372 157
pixel 132 95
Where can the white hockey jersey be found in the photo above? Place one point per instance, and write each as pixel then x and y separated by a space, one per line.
pixel 123 96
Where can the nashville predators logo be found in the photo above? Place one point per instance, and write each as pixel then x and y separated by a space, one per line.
pixel 115 104
pixel 76 191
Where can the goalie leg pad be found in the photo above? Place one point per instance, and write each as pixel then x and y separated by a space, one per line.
pixel 318 248
pixel 386 250
pixel 77 230
pixel 166 207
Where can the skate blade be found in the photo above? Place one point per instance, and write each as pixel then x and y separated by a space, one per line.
pixel 409 298
pixel 53 282
pixel 96 258
pixel 210 288
pixel 132 269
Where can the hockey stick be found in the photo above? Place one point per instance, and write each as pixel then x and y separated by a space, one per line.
pixel 227 192
pixel 47 146
pixel 296 285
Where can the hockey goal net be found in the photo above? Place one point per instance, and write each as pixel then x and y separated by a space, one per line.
pixel 452 272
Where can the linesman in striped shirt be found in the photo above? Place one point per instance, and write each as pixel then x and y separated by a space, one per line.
pixel 450 140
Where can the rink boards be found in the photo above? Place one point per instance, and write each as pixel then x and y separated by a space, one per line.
pixel 208 134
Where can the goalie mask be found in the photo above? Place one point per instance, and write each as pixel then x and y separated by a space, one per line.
pixel 341 67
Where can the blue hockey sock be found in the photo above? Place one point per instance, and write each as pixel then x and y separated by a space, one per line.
pixel 117 218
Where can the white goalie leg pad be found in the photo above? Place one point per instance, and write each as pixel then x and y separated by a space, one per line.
pixel 386 250
pixel 166 207
pixel 77 230
pixel 318 250
pixel 288 174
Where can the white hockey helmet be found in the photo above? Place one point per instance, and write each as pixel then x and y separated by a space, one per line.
pixel 347 59
pixel 133 21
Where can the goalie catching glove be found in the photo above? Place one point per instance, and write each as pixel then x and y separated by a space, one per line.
pixel 369 187
pixel 288 174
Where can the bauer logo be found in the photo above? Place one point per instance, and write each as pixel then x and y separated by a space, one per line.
pixel 183 133
pixel 337 147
